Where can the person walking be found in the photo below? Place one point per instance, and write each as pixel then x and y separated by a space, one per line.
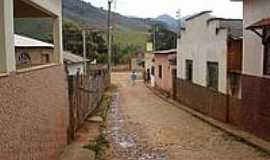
pixel 133 78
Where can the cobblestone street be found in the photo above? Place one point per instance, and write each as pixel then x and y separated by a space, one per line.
pixel 141 126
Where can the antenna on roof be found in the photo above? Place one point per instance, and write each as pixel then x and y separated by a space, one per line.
pixel 115 5
pixel 179 17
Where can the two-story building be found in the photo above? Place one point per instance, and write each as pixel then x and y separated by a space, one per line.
pixel 209 63
pixel 33 99
pixel 254 115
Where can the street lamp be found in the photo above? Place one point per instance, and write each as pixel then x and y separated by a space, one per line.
pixel 109 38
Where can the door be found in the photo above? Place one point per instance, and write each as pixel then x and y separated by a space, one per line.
pixel 174 84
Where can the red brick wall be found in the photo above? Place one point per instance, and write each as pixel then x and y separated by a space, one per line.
pixel 33 114
pixel 235 111
pixel 251 113
pixel 204 100
pixel 255 115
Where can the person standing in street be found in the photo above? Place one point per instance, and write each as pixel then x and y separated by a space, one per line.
pixel 133 78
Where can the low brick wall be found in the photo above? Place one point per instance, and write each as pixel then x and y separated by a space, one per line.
pixel 251 113
pixel 202 99
pixel 255 106
pixel 33 114
pixel 235 111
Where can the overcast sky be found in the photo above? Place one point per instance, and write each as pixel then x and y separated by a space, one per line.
pixel 154 8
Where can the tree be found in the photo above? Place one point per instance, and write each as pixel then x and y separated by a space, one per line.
pixel 73 41
pixel 164 38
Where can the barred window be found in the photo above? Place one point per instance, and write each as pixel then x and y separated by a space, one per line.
pixel 212 75
pixel 189 70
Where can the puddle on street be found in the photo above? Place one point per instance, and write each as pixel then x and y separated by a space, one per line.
pixel 125 144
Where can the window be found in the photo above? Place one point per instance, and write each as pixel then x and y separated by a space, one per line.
pixel 160 71
pixel 189 70
pixel 212 75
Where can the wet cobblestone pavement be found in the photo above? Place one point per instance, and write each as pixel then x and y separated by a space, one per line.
pixel 126 144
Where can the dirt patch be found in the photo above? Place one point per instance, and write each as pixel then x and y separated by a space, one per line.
pixel 90 142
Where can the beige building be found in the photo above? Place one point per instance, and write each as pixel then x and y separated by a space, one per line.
pixel 209 63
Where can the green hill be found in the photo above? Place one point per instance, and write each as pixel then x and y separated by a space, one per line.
pixel 127 30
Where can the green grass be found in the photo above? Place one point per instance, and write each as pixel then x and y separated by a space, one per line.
pixel 125 36
pixel 99 146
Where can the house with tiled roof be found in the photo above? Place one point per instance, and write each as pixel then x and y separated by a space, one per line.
pixel 30 52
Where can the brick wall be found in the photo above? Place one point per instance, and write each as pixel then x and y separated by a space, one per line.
pixel 204 100
pixel 251 113
pixel 33 114
pixel 255 111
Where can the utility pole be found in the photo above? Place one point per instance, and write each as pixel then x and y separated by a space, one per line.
pixel 178 15
pixel 84 50
pixel 154 37
pixel 109 38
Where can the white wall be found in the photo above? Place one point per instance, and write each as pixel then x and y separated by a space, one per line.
pixel 200 43
pixel 254 10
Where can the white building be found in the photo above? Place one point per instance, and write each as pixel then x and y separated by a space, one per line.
pixel 204 47
pixel 209 63
pixel 74 63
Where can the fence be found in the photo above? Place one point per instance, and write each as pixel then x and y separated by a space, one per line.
pixel 85 93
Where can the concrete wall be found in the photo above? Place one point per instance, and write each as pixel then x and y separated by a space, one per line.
pixel 49 6
pixel 254 10
pixel 34 114
pixel 200 43
pixel 7 51
pixel 164 83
